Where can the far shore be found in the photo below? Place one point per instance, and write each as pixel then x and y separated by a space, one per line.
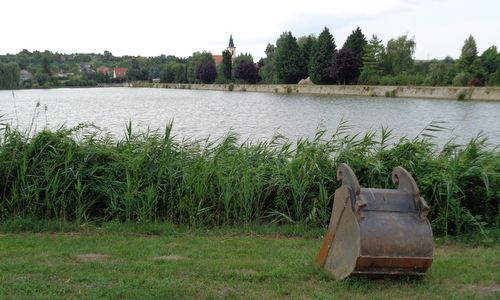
pixel 429 92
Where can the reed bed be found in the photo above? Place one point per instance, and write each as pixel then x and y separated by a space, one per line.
pixel 73 174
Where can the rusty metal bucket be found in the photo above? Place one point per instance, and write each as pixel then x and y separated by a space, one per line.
pixel 377 231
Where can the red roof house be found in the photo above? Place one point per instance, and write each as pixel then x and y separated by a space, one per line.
pixel 119 72
pixel 103 70
pixel 217 59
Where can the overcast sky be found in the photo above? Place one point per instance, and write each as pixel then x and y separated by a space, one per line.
pixel 150 28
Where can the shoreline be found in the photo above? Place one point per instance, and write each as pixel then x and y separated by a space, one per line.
pixel 428 92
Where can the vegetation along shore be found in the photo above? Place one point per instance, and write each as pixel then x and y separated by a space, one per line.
pixel 309 59
pixel 73 175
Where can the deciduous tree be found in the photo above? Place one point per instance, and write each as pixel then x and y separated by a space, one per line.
pixel 206 72
pixel 399 55
pixel 245 70
pixel 345 66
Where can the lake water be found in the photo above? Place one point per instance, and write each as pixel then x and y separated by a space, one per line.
pixel 255 116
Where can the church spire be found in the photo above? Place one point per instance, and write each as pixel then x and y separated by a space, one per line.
pixel 231 44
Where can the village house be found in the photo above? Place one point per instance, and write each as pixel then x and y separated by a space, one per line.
pixel 103 70
pixel 86 68
pixel 25 75
pixel 120 72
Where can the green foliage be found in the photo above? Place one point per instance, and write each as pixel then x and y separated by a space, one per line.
pixel 437 75
pixel 356 41
pixel 268 69
pixel 461 79
pixel 495 78
pixel 306 45
pixel 227 65
pixel 320 63
pixel 149 176
pixel 468 55
pixel 464 95
pixel 79 81
pixel 289 62
pixel 194 63
pixel 490 60
pixel 9 76
pixel 401 79
pixel 391 94
pixel 399 55
pixel 174 72
pixel 372 61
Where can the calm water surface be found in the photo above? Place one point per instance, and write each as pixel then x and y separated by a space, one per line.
pixel 255 116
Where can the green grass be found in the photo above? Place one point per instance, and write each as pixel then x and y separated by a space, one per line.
pixel 121 262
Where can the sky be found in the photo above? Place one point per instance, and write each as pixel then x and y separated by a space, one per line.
pixel 155 27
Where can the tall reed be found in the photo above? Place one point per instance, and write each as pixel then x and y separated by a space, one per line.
pixel 150 176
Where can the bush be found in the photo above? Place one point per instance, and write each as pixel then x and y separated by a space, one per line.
pixel 461 79
pixel 475 82
pixel 402 79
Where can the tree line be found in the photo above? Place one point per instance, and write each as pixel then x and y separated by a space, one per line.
pixel 359 61
pixel 369 61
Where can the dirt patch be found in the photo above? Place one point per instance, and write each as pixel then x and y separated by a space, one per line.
pixel 225 292
pixel 484 289
pixel 168 257
pixel 89 257
pixel 248 272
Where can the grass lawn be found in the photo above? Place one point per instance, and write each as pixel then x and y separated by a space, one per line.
pixel 103 263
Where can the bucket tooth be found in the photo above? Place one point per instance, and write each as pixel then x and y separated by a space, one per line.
pixel 377 231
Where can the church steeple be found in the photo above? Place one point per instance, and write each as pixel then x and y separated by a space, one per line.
pixel 231 48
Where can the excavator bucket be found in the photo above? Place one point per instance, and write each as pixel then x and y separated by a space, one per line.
pixel 377 231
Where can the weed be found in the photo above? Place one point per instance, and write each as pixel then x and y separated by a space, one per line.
pixel 464 95
pixel 391 94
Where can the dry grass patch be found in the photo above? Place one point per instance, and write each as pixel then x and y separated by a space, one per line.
pixel 90 257
pixel 168 257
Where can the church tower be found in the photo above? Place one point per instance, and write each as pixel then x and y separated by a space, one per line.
pixel 231 48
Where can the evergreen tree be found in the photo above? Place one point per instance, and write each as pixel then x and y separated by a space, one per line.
pixel 321 58
pixel 371 61
pixel 306 45
pixel 290 65
pixel 227 65
pixel 356 41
